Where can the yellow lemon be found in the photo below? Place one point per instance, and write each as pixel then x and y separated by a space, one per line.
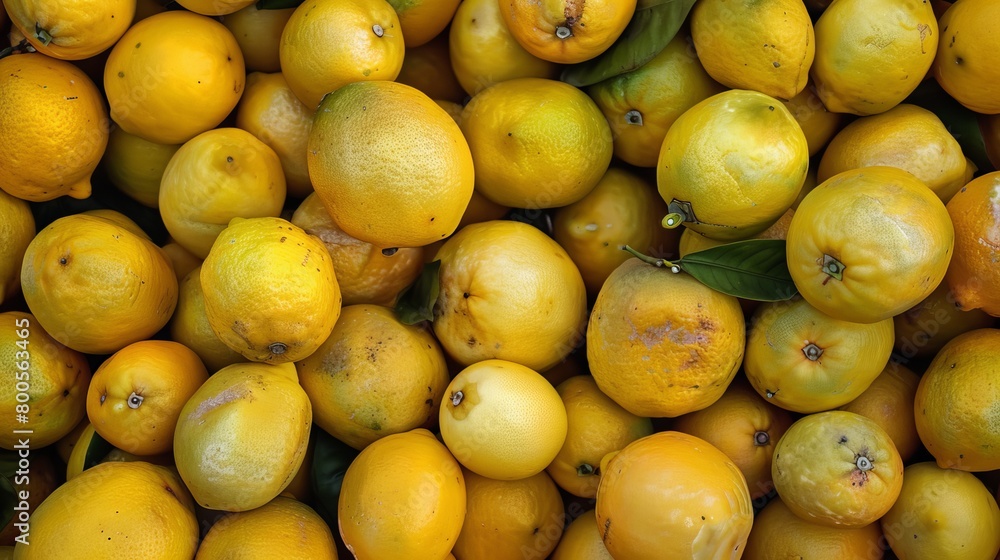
pixel 428 68
pixel 135 165
pixel 502 420
pixel 189 325
pixel 818 123
pixel 258 33
pixel 87 517
pixel 214 7
pixel 182 259
pixel 173 76
pixel 422 20
pixel 415 473
pixel 242 435
pixel 219 175
pixel 118 219
pixel 74 29
pixel 889 402
pixel 546 128
pixel 871 54
pixel 567 31
pixel 328 44
pixel 968 44
pixel 95 286
pixel 389 142
pixel 642 104
pixel 510 292
pixel 17 228
pixel 922 330
pixel 374 376
pixel 136 395
pixel 582 540
pixel 53 128
pixel 767 47
pixel 691 241
pixel 64 447
pixel 730 166
pixel 663 356
pixel 779 533
pixel 283 527
pixel 973 273
pixel 868 244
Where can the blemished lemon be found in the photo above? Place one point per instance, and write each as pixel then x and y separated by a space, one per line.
pixel 263 533
pixel 328 44
pixel 423 20
pixel 214 7
pixel 389 142
pixel 779 533
pixel 74 29
pixel 95 286
pixel 567 31
pixel 189 325
pixel 258 33
pixel 548 129
pixel 730 166
pixel 964 52
pixel 502 420
pixel 253 420
pixel 17 228
pixel 135 165
pixel 426 522
pixel 973 274
pixel 53 128
pixel 428 68
pixel 582 540
pixel 221 174
pixel 173 76
pixel 889 402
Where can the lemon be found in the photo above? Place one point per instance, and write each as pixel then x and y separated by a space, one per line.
pixel 567 31
pixel 972 273
pixel 190 327
pixel 135 165
pixel 74 29
pixel 258 33
pixel 428 68
pixel 817 122
pixel 17 228
pixel 582 540
pixel 922 330
pixel 214 7
pixel 966 46
pixel 423 20
pixel 889 402
pixel 779 533
pixel 264 533
pixel 182 259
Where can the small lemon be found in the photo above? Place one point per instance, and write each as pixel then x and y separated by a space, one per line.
pixel 189 325
pixel 135 165
pixel 17 228
pixel 258 33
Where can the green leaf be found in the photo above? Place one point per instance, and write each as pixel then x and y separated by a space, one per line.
pixel 753 269
pixel 331 457
pixel 961 122
pixel 277 4
pixel 96 451
pixel 416 303
pixel 8 499
pixel 653 25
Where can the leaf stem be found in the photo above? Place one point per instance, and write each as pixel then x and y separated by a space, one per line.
pixel 659 263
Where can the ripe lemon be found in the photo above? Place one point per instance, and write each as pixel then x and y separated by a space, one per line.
pixel 181 259
pixel 283 527
pixel 955 404
pixel 973 274
pixel 173 76
pixel 328 44
pixel 258 33
pixel 270 290
pixel 765 47
pixel 671 491
pixel 871 54
pixel 817 122
pixel 374 376
pixel 87 517
pixel 545 128
pixel 214 7
pixel 53 128
pixel 900 137
pixel 52 377
pixel 135 165
pixel 136 395
pixel 732 165
pixel 389 142
pixel 423 20
pixel 642 104
pixel 868 244
pixel 428 68
pixel 72 30
pixel 17 228
pixel 480 209
pixel 805 361
pixel 743 426
pixel 508 291
pixel 567 31
pixel 119 219
pixel 889 402
pixel 779 533
pixel 968 44
pixel 663 356
pixel 838 469
pixel 596 426
pixel 502 420
pixel 95 286
pixel 423 482
pixel 922 330
pixel 510 519
pixel 692 241
pixel 189 325
pixel 483 51
pixel 943 514
pixel 242 435
pixel 365 274
pixel 623 209
pixel 221 174
pixel 582 540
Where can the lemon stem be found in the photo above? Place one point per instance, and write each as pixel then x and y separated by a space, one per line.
pixel 42 35
pixel 672 220
pixel 15 49
pixel 660 263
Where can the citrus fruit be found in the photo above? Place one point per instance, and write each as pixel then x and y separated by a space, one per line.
pixel 973 274
pixel 868 244
pixel 17 228
pixel 423 20
pixel 136 395
pixel 283 527
pixel 508 291
pixel 967 45
pixel 730 166
pixel 955 404
pixel 779 533
pixel 922 330
pixel 328 44
pixel 582 540
pixel 181 259
pixel 480 209
pixel 672 491
pixel 258 33
pixel 502 420
pixel 416 474
pixel 72 30
pixel 766 47
pixel 691 241
pixel 118 219
pixel 189 326
pixel 837 468
pixel 214 7
pixel 270 290
pixel 53 128
pixel 663 356
pixel 817 122
pixel 428 68
pixel 567 31
pixel 889 402
pixel 173 76
pixel 389 142
pixel 135 165
pixel 546 128
pixel 871 54
pixel 596 426
pixel 95 286
pixel 251 422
